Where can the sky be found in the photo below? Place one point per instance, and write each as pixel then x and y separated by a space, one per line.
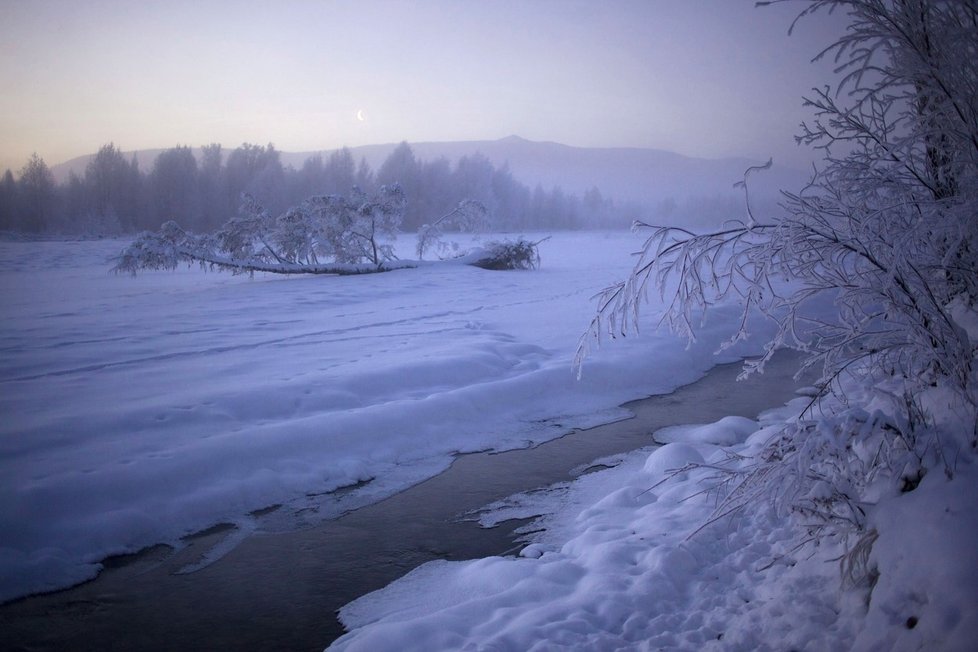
pixel 709 78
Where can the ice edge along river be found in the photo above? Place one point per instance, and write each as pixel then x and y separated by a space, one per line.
pixel 142 410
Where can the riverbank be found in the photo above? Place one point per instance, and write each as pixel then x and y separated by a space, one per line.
pixel 666 551
pixel 280 589
pixel 140 411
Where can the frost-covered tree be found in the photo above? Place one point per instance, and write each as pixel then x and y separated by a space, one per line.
pixel 468 215
pixel 887 230
pixel 326 234
pixel 366 227
pixel 343 233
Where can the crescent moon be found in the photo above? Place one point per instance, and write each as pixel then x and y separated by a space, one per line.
pixel 360 115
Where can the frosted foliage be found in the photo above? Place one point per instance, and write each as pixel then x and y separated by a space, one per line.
pixel 510 254
pixel 886 231
pixel 324 234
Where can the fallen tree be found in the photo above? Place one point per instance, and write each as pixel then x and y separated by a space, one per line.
pixel 326 234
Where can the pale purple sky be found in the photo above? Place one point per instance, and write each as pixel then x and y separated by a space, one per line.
pixel 702 77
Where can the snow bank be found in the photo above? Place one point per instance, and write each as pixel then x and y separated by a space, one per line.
pixel 725 432
pixel 625 562
pixel 926 597
pixel 138 411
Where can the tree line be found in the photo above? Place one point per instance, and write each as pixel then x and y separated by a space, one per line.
pixel 114 196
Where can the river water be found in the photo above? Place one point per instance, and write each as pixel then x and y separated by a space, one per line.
pixel 280 590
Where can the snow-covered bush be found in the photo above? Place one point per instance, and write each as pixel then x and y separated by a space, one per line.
pixel 509 254
pixel 888 231
pixel 324 234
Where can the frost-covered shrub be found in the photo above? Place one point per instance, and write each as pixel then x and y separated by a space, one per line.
pixel 887 233
pixel 509 254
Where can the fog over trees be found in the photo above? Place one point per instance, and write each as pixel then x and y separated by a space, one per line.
pixel 202 191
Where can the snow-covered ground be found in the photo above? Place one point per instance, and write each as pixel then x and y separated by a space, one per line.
pixel 139 410
pixel 629 560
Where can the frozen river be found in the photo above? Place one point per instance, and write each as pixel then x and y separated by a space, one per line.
pixel 279 589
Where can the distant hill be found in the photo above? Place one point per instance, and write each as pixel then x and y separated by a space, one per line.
pixel 643 175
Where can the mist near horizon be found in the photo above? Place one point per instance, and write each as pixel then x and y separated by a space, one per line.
pixel 706 79
pixel 521 185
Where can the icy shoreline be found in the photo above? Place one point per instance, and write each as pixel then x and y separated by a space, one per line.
pixel 628 558
pixel 304 575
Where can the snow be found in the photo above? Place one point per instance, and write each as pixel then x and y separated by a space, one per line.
pixel 928 572
pixel 628 559
pixel 140 410
pixel 725 432
pixel 616 568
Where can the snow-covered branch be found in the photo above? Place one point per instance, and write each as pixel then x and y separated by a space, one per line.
pixel 327 234
pixel 886 232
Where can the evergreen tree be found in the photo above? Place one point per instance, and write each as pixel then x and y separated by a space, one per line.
pixel 173 189
pixel 113 187
pixel 38 196
pixel 9 202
